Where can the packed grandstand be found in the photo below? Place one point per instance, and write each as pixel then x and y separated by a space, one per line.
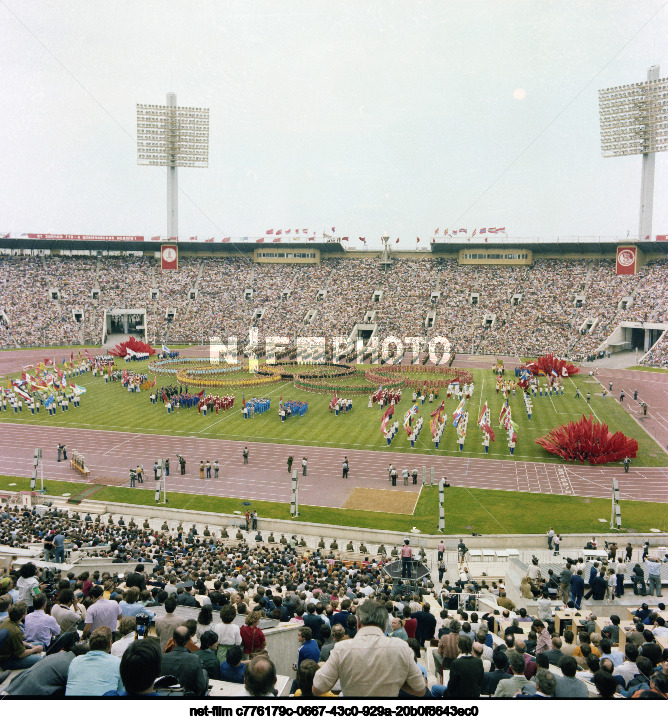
pixel 570 305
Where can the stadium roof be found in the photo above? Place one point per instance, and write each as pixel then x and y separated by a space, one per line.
pixel 582 245
pixel 452 245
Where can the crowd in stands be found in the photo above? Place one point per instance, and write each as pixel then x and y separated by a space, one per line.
pixel 547 315
pixel 358 635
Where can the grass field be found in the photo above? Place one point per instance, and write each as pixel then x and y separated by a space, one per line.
pixel 467 510
pixel 110 407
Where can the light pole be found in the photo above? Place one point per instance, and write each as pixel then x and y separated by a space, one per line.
pixel 172 137
pixel 634 121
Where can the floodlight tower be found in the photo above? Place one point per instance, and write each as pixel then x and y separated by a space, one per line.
pixel 634 121
pixel 174 137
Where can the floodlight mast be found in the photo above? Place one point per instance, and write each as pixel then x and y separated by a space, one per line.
pixel 172 169
pixel 172 136
pixel 634 121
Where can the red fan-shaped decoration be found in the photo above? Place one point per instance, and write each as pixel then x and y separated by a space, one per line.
pixel 134 345
pixel 585 440
pixel 548 363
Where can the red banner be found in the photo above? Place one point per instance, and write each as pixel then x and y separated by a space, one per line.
pixel 627 256
pixel 60 236
pixel 662 238
pixel 169 257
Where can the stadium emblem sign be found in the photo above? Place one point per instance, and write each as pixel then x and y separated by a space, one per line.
pixel 626 260
pixel 169 257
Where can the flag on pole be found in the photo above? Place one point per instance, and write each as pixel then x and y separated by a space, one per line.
pixel 436 231
pixel 165 349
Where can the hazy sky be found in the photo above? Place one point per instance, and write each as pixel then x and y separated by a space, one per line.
pixel 369 116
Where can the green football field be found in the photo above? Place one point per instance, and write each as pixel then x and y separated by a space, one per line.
pixel 108 406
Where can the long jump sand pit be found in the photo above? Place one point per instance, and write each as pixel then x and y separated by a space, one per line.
pixel 373 499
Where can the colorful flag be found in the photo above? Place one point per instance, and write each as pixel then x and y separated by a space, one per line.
pixel 226 240
pixel 260 240
pixel 287 232
pixel 436 231
pixel 165 349
pixel 270 232
pixel 463 230
pixel 155 237
pixel 208 240
pixel 193 237
pixel 275 240
pixel 474 232
pixel 278 232
pixel 333 230
pixel 362 239
pixel 305 231
pixel 483 231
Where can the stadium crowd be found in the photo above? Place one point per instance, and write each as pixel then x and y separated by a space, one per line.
pixel 350 618
pixel 570 306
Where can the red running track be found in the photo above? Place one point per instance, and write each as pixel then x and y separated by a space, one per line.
pixel 110 455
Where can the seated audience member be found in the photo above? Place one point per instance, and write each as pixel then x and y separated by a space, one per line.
pixel 127 632
pixel 546 685
pixel 207 654
pixel 67 612
pixel 492 678
pixel 48 677
pixel 96 672
pixel 140 667
pixel 606 686
pixel 184 665
pixel 15 653
pixel 232 669
pixel 567 685
pixel 305 673
pixel 507 688
pixel 39 628
pixel 658 687
pixel 260 678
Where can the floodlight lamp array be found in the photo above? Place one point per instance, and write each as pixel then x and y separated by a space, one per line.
pixel 634 118
pixel 175 136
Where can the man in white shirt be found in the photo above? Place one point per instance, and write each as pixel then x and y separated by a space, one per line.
pixel 371 664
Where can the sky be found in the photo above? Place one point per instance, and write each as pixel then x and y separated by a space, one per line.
pixel 374 116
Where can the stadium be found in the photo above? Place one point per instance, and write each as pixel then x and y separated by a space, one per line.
pixel 329 432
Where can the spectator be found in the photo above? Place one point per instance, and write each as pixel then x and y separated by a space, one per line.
pixel 101 612
pixel 48 677
pixel 15 653
pixel 568 686
pixel 507 688
pixel 260 678
pixel 184 665
pixel 252 637
pixel 96 672
pixel 127 630
pixel 39 628
pixel 207 654
pixel 165 625
pixel 232 669
pixel 370 664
